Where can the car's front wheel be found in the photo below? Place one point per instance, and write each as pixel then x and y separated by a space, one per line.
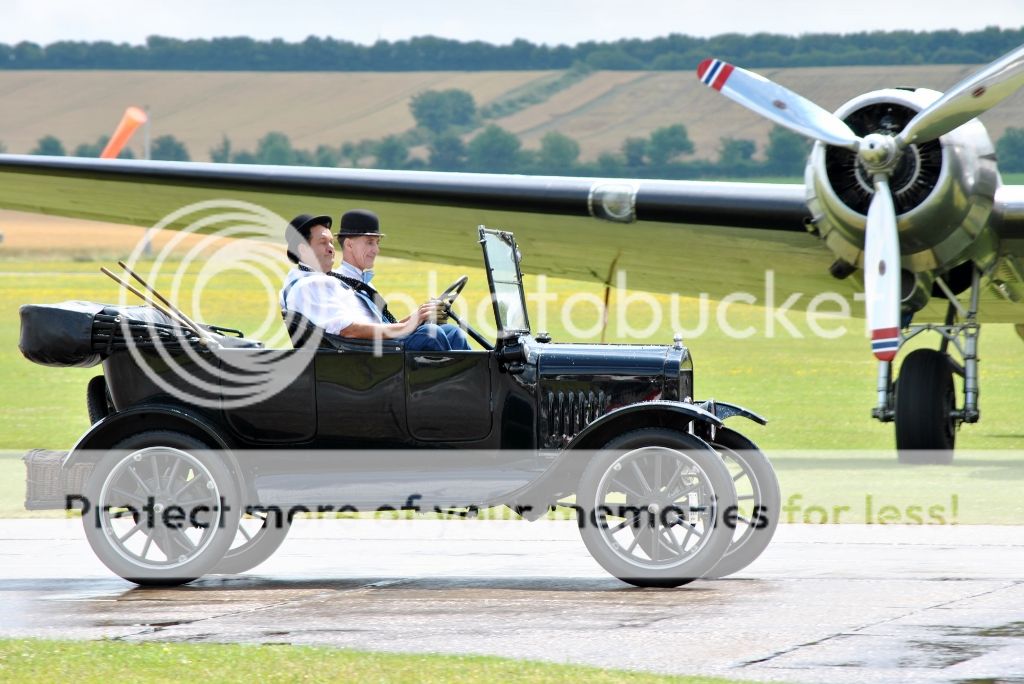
pixel 654 506
pixel 260 533
pixel 162 508
pixel 758 501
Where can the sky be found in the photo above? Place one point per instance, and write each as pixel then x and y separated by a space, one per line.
pixel 550 22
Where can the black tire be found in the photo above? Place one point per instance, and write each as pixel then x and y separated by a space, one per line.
pixel 132 524
pixel 925 396
pixel 758 501
pixel 260 533
pixel 651 507
pixel 97 400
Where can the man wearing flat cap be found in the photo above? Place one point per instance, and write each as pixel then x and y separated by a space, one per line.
pixel 343 302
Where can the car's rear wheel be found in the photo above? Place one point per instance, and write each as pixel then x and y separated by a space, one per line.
pixel 260 534
pixel 163 508
pixel 653 505
pixel 758 501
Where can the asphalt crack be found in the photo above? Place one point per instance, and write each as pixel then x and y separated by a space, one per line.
pixel 155 628
pixel 858 630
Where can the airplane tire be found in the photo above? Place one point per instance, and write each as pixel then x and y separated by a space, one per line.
pixel 925 396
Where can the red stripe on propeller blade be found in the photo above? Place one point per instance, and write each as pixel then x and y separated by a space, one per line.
pixel 723 76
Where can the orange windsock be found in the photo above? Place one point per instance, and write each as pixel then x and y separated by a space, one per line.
pixel 132 119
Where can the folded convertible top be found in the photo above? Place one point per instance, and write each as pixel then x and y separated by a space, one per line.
pixel 80 334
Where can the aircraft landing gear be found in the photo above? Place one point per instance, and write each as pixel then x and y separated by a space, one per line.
pixel 925 406
pixel 922 403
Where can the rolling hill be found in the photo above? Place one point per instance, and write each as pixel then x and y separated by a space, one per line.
pixel 599 111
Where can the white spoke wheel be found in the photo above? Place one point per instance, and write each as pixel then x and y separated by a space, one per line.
pixel 758 501
pixel 653 507
pixel 260 533
pixel 163 508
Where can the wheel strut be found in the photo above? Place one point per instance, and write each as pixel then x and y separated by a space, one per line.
pixel 962 335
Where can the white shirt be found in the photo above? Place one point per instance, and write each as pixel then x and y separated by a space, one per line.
pixel 324 300
pixel 350 271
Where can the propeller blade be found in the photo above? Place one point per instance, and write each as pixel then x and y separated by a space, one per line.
pixel 774 102
pixel 882 273
pixel 970 97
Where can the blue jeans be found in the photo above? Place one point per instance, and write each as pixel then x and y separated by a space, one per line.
pixel 431 337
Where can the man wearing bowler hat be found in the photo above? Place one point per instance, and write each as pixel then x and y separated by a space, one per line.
pixel 343 302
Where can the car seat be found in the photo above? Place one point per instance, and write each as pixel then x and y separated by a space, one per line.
pixel 302 331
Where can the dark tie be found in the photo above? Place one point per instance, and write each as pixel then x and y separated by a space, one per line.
pixel 366 289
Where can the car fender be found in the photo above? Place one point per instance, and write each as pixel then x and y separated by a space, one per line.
pixel 563 475
pixel 108 431
pixel 672 414
pixel 724 410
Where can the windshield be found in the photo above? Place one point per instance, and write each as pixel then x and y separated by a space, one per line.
pixel 501 260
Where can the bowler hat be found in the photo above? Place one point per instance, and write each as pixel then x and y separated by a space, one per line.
pixel 302 225
pixel 359 222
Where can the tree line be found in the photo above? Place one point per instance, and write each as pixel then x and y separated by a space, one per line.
pixel 496 150
pixel 429 53
pixel 452 134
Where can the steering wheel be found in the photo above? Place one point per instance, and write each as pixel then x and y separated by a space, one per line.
pixel 451 293
pixel 448 297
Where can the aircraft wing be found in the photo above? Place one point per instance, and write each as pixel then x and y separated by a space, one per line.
pixel 669 236
pixel 686 237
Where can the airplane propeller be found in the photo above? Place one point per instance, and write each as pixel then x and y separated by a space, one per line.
pixel 772 101
pixel 879 154
pixel 975 95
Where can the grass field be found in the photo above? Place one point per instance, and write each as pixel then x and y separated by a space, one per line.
pixel 815 393
pixel 105 661
pixel 599 111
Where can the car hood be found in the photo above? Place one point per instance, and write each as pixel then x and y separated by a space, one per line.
pixel 586 359
pixel 578 383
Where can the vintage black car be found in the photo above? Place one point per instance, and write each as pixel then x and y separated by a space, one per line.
pixel 176 479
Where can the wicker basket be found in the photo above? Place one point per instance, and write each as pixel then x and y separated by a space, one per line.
pixel 47 483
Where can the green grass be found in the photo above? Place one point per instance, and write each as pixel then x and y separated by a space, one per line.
pixel 23 660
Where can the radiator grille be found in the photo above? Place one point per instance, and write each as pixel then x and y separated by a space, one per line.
pixel 569 412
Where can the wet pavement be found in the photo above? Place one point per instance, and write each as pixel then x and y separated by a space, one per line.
pixel 830 603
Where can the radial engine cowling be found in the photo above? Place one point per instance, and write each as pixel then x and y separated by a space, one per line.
pixel 942 189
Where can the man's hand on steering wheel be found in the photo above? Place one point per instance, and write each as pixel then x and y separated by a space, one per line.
pixel 431 311
pixel 450 294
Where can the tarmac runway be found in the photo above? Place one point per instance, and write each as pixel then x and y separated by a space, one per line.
pixel 829 603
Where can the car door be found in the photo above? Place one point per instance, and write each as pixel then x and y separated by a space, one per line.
pixel 448 395
pixel 361 398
